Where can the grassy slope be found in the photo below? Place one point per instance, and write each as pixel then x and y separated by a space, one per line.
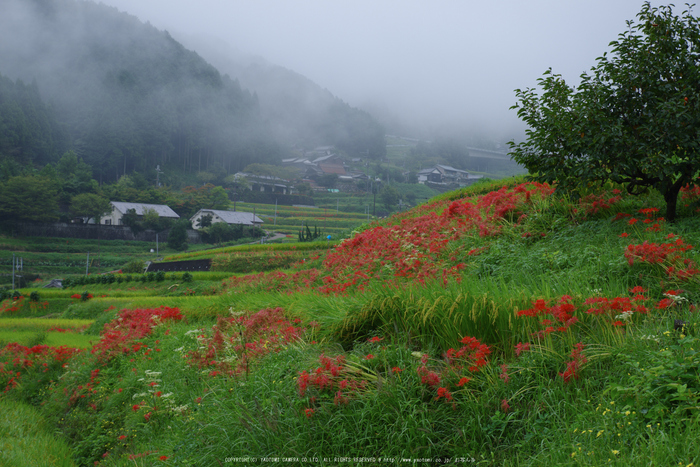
pixel 632 399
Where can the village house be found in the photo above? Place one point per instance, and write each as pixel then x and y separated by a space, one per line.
pixel 119 209
pixel 446 175
pixel 248 219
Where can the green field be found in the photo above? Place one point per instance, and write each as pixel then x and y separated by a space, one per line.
pixel 498 325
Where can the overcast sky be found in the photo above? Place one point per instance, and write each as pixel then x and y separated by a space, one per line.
pixel 445 62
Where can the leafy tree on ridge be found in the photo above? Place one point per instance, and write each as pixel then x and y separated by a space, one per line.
pixel 634 120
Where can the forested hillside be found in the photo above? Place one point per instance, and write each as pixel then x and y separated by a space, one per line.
pixel 298 111
pixel 130 97
pixel 29 130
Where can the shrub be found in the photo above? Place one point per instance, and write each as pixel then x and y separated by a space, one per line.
pixel 135 266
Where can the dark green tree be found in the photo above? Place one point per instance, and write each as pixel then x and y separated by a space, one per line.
pixel 177 237
pixel 131 220
pixel 635 119
pixel 219 232
pixel 390 196
pixel 90 205
pixel 204 221
pixel 29 198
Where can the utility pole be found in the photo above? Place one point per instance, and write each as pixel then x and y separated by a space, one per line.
pixel 158 172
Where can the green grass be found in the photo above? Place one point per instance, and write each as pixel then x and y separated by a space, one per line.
pixel 53 339
pixel 27 440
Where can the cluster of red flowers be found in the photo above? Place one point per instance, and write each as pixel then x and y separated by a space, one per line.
pixel 416 247
pixel 472 353
pixel 617 310
pixel 18 305
pixel 249 337
pixel 594 203
pixel 573 366
pixel 277 280
pixel 331 377
pixel 669 255
pixel 562 314
pixel 120 335
pixel 690 194
pixel 15 359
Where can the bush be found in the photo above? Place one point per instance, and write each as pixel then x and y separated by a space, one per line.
pixel 135 266
pixel 186 277
pixel 177 237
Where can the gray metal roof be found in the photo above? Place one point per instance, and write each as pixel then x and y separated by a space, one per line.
pixel 233 217
pixel 161 209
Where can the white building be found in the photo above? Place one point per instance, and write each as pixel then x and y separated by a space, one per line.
pixel 119 209
pixel 230 217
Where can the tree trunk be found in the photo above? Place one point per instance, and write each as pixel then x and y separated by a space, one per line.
pixel 671 198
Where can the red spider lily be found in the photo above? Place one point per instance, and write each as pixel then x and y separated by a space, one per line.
pixel 428 377
pixel 504 373
pixel 649 212
pixel 654 253
pixel 309 412
pixel 375 339
pixel 521 347
pixel 463 381
pixel 505 407
pixel 664 303
pixel 369 357
pixel 443 392
pixel 118 335
pixel 473 352
pixel 621 215
pixel 574 365
pixel 263 332
pixel 396 370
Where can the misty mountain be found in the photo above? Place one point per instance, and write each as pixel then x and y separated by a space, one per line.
pixel 29 130
pixel 129 96
pixel 297 110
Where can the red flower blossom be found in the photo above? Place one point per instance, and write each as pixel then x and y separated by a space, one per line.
pixel 309 412
pixel 505 407
pixel 443 392
pixel 520 348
